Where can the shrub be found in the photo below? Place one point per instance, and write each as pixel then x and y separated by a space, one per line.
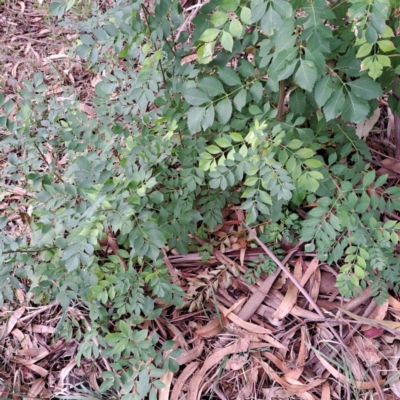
pixel 256 108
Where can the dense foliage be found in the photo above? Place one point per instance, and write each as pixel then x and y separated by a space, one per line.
pixel 257 108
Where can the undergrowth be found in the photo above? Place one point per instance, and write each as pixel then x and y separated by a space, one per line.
pixel 256 108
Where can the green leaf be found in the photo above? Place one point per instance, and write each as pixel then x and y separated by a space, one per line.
pixel 212 149
pixel 306 75
pixel 236 136
pixel 297 102
pixel 284 8
pixel 125 328
pixel 114 337
pixel 245 15
pixel 305 153
pixel 229 5
pixel 236 28
pixel 388 32
pixel 334 105
pixel 240 99
pixel 38 78
pixel 224 110
pixel 371 35
pixel 229 76
pixel 386 45
pixel 271 21
pixel 313 163
pixel 223 142
pixel 251 181
pixel 365 88
pixel 308 182
pixel 245 68
pixel 194 117
pixel 3 221
pixel 364 50
pixel 317 175
pixel 295 144
pixel 377 21
pixel 384 60
pixel 208 117
pixel 318 59
pixel 219 18
pixel 196 97
pixel 288 70
pixel 355 109
pixel 156 197
pixel 258 9
pixel 369 178
pixel 256 91
pixel 227 41
pixel 323 90
pixel 209 35
pixel 205 53
pixel 211 85
pixel 72 263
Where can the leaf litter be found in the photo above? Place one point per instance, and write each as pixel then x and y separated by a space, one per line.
pixel 241 340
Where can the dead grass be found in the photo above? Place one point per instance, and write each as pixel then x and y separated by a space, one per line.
pixel 32 42
pixel 36 362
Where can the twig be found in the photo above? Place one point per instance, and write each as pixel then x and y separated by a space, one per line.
pixel 396 121
pixel 58 176
pixel 281 100
pixel 294 281
pixel 222 258
pixel 258 297
pixel 188 20
pixel 146 13
pixel 28 251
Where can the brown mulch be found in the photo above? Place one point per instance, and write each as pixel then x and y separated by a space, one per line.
pixel 241 340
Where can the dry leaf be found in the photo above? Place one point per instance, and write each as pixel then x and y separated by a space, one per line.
pixel 365 126
pixel 276 393
pixel 378 313
pixel 236 362
pixel 166 379
pixel 326 392
pixel 280 364
pixel 367 350
pixel 290 298
pixel 336 374
pixel 35 368
pixel 191 355
pixel 64 373
pixel 292 385
pixel 388 324
pixel 373 333
pixel 189 59
pixel 312 267
pixel 243 324
pixel 241 346
pixel 213 328
pixel 301 358
pixel 36 388
pixel 183 377
pixel 394 376
pixel 394 303
pixel 42 329
pixel 11 322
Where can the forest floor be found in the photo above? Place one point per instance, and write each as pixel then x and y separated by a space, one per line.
pixel 351 352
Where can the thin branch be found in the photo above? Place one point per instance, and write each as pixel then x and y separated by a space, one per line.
pixel 146 14
pixel 294 281
pixel 58 176
pixel 28 250
pixel 281 99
